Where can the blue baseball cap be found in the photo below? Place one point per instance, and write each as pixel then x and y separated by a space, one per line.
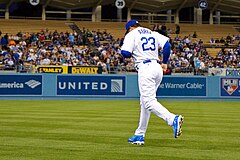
pixel 131 23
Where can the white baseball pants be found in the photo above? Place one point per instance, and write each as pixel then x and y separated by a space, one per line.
pixel 149 78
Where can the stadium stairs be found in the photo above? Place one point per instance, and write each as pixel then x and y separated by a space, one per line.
pixel 74 27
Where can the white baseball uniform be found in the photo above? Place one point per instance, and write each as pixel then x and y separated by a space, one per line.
pixel 144 45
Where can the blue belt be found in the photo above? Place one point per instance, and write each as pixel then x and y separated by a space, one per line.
pixel 150 60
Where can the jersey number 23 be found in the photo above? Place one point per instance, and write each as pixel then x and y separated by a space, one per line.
pixel 148 43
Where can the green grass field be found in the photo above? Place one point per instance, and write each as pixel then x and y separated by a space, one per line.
pixel 98 130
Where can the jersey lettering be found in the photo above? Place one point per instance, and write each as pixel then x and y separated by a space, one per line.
pixel 144 31
pixel 148 43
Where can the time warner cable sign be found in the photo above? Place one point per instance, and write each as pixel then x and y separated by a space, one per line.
pixel 183 86
pixel 91 85
pixel 20 85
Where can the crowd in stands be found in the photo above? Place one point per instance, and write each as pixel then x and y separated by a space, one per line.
pixel 229 39
pixel 100 48
pixel 190 54
pixel 58 48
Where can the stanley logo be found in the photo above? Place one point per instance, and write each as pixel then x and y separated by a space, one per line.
pixel 50 70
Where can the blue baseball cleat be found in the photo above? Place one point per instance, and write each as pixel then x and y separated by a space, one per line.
pixel 177 125
pixel 138 140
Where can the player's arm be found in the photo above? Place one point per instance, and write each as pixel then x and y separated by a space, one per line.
pixel 166 54
pixel 126 54
pixel 163 42
pixel 127 47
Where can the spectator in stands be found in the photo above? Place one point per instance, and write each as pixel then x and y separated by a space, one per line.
pixel 191 63
pixel 45 60
pixel 194 34
pixel 4 40
pixel 11 42
pixel 237 37
pixel 217 40
pixel 177 29
pixel 102 64
pixel 200 41
pixel 96 41
pixel 212 41
pixel 222 40
pixel 202 67
pixel 1 56
pixel 20 65
pixel 187 40
pixel 197 63
pixel 233 39
pixel 155 27
pixel 9 64
pixel 71 38
pixel 164 29
pixel 178 38
pixel 229 39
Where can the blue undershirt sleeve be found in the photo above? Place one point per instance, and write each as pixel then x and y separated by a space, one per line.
pixel 166 52
pixel 126 54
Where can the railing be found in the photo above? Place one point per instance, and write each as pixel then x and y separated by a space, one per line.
pixel 190 71
pixel 17 68
pixel 110 70
pixel 140 19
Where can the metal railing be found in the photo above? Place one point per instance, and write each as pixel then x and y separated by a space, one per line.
pixel 140 19
pixel 17 68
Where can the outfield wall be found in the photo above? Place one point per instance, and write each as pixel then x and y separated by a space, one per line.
pixel 59 86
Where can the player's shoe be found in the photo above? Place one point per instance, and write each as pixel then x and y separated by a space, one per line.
pixel 177 125
pixel 138 140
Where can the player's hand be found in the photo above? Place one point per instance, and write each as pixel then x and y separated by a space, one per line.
pixel 164 67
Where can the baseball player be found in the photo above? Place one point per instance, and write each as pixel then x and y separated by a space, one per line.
pixel 143 45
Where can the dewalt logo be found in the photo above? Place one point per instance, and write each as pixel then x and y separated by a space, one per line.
pixel 84 70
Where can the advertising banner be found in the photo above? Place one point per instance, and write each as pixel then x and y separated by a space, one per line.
pixel 217 71
pixel 230 87
pixel 52 69
pixel 20 85
pixel 183 86
pixel 224 72
pixel 91 85
pixel 84 70
pixel 233 72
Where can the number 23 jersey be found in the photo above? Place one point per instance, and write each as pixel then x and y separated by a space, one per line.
pixel 143 44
